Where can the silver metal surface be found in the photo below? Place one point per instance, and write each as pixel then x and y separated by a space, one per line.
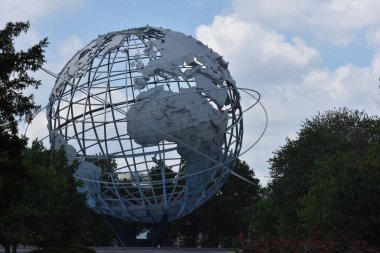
pixel 154 119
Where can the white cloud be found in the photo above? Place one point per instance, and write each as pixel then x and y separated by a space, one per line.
pixel 255 51
pixel 347 86
pixel 373 38
pixel 287 71
pixel 69 47
pixel 319 90
pixel 337 21
pixel 24 10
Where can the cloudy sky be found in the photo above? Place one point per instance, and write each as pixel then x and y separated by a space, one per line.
pixel 303 56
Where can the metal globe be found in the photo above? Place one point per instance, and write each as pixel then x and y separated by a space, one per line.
pixel 153 118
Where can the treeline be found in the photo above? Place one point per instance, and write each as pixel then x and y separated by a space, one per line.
pixel 324 192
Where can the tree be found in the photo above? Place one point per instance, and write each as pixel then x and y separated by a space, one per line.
pixel 226 215
pixel 39 204
pixel 13 177
pixel 327 178
pixel 14 77
pixel 52 192
pixel 345 195
pixel 45 206
pixel 15 106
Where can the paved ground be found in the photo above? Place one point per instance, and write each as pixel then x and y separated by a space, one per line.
pixel 141 250
pixel 161 250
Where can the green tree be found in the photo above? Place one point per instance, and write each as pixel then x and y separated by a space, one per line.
pixel 262 220
pixel 327 178
pixel 226 215
pixel 15 67
pixel 39 204
pixel 13 177
pixel 14 77
pixel 53 193
pixel 46 208
pixel 345 195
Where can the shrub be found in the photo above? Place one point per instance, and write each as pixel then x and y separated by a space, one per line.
pixel 72 248
pixel 80 247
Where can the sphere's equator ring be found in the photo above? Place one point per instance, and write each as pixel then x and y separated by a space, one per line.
pixel 218 164
pixel 228 161
pixel 187 146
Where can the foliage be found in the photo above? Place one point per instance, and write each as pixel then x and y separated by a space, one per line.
pixel 224 216
pixel 53 191
pixel 263 217
pixel 97 232
pixel 48 250
pixel 14 77
pixel 82 248
pixel 327 178
pixel 316 243
pixel 46 195
pixel 72 248
pixel 39 204
pixel 15 106
pixel 345 194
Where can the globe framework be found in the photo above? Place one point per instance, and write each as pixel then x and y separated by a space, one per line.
pixel 153 118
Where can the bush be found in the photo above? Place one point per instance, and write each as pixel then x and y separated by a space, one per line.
pixel 313 244
pixel 48 250
pixel 81 248
pixel 72 248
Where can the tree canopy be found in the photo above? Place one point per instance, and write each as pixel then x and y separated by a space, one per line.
pixel 39 204
pixel 225 216
pixel 14 77
pixel 326 179
pixel 15 106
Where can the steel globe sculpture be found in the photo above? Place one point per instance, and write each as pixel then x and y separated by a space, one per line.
pixel 154 120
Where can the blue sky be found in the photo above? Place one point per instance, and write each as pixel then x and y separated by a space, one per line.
pixel 303 56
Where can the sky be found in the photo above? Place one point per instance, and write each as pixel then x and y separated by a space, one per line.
pixel 303 56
